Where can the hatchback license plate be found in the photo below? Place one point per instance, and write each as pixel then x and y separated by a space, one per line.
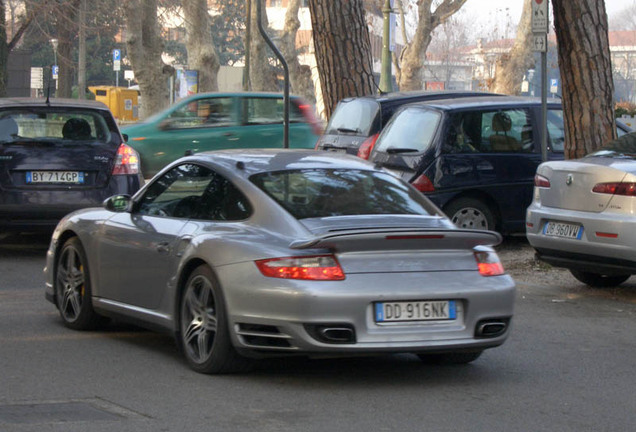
pixel 73 177
pixel 415 311
pixel 560 229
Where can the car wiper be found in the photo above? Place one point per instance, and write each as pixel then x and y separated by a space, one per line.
pixel 348 130
pixel 395 150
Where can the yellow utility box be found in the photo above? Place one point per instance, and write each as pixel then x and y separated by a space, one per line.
pixel 123 102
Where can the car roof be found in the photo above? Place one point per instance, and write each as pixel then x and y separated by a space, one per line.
pixel 483 101
pixel 246 162
pixel 237 94
pixel 17 102
pixel 402 96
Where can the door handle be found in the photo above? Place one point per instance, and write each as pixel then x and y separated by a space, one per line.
pixel 163 247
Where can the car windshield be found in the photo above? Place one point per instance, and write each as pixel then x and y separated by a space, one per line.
pixel 411 130
pixel 53 124
pixel 314 193
pixel 353 117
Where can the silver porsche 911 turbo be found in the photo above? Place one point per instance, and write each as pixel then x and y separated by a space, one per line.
pixel 582 216
pixel 282 252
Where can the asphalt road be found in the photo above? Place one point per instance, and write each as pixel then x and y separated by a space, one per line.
pixel 568 366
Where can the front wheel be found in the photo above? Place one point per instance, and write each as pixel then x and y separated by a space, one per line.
pixel 73 288
pixel 470 213
pixel 204 334
pixel 450 358
pixel 597 280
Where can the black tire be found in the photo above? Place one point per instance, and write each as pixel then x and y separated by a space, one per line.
pixel 470 213
pixel 203 326
pixel 73 288
pixel 597 280
pixel 455 358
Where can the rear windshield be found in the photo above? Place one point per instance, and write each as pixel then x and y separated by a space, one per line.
pixel 55 124
pixel 355 116
pixel 313 193
pixel 412 129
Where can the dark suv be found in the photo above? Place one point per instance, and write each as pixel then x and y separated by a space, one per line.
pixel 356 122
pixel 473 157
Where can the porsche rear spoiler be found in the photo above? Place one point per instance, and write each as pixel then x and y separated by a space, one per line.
pixel 399 239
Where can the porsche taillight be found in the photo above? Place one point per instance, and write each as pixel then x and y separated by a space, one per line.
pixel 127 161
pixel 319 268
pixel 488 262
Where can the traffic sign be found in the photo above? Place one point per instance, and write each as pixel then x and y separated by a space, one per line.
pixel 554 85
pixel 540 17
pixel 116 55
pixel 55 70
pixel 539 42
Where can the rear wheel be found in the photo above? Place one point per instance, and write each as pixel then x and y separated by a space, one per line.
pixel 599 280
pixel 470 213
pixel 450 358
pixel 204 334
pixel 73 288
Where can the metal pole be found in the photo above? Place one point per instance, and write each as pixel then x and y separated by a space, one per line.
pixel 544 105
pixel 248 47
pixel 385 74
pixel 286 70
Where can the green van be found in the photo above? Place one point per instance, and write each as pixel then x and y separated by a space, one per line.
pixel 216 121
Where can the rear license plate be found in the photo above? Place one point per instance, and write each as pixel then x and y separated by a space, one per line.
pixel 72 177
pixel 415 311
pixel 565 230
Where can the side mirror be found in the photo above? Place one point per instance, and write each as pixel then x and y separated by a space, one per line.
pixel 125 136
pixel 165 124
pixel 118 203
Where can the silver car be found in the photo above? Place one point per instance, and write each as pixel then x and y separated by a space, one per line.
pixel 582 217
pixel 281 252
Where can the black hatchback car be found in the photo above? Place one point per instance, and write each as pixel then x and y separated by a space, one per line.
pixel 474 157
pixel 57 156
pixel 356 122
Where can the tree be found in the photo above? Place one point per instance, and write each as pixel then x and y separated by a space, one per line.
pixel 586 73
pixel 511 67
pixel 409 73
pixel 67 30
pixel 228 28
pixel 343 50
pixel 202 55
pixel 262 74
pixel 299 75
pixel 144 46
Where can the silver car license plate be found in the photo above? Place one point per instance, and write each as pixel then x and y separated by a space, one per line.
pixel 73 177
pixel 561 229
pixel 426 310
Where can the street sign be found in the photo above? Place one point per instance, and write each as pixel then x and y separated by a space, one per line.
pixel 539 42
pixel 116 55
pixel 540 17
pixel 117 65
pixel 55 70
pixel 554 85
pixel 37 78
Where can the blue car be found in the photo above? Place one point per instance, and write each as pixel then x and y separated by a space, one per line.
pixel 474 157
pixel 57 156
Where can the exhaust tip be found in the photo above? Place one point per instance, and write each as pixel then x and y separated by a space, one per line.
pixel 491 327
pixel 332 333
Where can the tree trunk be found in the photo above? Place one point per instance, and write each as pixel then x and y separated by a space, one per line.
pixel 415 51
pixel 66 31
pixel 511 67
pixel 4 51
pixel 202 55
pixel 81 61
pixel 586 73
pixel 262 74
pixel 299 75
pixel 144 46
pixel 343 50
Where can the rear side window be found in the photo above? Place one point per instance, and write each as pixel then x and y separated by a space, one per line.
pixel 262 111
pixel 210 112
pixel 501 131
pixel 412 129
pixel 313 193
pixel 54 124
pixel 356 116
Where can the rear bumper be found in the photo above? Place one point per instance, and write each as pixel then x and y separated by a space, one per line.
pixel 606 245
pixel 35 209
